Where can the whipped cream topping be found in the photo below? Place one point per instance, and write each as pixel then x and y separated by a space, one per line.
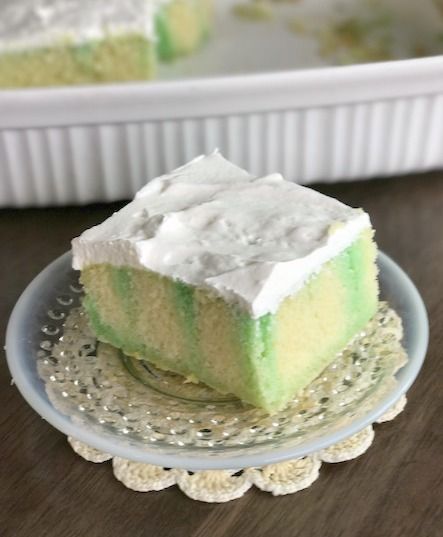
pixel 27 24
pixel 252 240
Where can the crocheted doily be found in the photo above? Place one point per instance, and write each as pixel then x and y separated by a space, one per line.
pixel 102 390
pixel 107 393
pixel 216 486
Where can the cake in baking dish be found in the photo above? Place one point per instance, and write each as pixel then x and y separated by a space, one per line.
pixel 248 284
pixel 61 42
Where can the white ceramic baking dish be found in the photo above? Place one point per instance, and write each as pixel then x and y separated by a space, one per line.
pixel 102 143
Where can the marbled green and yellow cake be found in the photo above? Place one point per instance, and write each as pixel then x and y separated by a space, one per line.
pixel 250 285
pixel 54 42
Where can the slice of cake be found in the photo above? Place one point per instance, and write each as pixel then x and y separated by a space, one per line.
pixel 181 26
pixel 248 284
pixel 50 42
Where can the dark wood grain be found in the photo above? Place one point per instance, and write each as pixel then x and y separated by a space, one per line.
pixel 394 490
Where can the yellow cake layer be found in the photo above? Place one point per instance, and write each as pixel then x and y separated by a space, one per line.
pixel 123 58
pixel 263 361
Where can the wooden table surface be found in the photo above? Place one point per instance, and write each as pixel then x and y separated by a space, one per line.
pixel 395 489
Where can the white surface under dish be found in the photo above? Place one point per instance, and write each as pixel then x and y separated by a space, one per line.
pixel 29 324
pixel 263 95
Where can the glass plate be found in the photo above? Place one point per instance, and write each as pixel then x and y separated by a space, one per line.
pixel 132 410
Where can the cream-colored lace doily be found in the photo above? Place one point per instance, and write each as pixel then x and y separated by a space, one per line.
pixel 216 486
pixel 100 388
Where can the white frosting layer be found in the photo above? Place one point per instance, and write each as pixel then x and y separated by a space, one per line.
pixel 251 240
pixel 28 24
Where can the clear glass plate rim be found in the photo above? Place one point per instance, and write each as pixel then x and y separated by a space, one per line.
pixel 27 381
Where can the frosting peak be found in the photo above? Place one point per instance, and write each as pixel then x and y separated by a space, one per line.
pixel 253 240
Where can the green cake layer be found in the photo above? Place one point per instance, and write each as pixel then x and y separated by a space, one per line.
pixel 180 27
pixel 263 361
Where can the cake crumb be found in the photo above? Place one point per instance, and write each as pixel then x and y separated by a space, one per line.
pixel 191 379
pixel 254 11
pixel 297 26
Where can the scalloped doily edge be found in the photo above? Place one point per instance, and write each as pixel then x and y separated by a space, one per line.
pixel 218 486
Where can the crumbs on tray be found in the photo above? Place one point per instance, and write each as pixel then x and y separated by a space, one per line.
pixel 254 11
pixel 346 32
